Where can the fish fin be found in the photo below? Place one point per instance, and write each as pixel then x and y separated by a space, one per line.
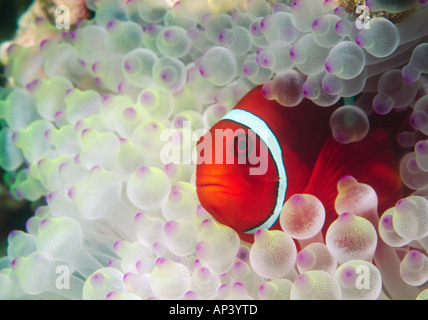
pixel 372 161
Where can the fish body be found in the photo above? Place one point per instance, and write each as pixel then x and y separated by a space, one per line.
pixel 288 150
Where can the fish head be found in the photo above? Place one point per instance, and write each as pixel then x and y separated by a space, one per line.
pixel 236 176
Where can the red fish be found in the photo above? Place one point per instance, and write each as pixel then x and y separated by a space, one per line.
pixel 301 157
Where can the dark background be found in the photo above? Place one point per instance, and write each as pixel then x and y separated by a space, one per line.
pixel 10 11
pixel 13 214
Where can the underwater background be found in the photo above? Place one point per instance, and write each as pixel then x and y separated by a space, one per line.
pixel 13 213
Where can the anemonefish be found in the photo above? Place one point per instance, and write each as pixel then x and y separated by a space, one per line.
pixel 301 157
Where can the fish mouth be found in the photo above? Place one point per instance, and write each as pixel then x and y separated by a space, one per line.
pixel 215 188
pixel 214 183
pixel 216 197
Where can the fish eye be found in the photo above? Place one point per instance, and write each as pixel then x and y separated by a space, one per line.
pixel 243 145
